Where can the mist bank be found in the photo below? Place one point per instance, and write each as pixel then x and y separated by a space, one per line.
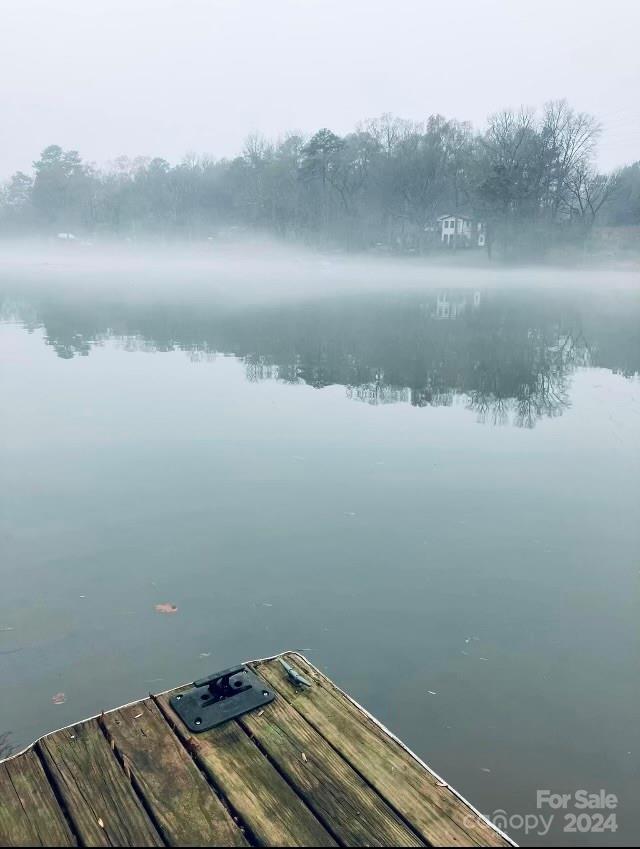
pixel 263 270
pixel 527 188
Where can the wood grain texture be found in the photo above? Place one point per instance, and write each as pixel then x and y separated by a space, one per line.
pixel 265 803
pixel 436 812
pixel 182 804
pixel 338 796
pixel 98 796
pixel 29 812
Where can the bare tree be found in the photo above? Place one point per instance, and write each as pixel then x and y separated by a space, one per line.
pixel 589 192
pixel 569 140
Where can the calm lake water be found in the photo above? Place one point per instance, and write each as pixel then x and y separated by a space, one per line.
pixel 433 495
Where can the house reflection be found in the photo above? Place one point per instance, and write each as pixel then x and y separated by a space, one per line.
pixel 451 305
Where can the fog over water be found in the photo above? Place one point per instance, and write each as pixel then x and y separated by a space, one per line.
pixel 260 269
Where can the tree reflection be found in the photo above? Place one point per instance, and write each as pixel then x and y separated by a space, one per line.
pixel 535 386
pixel 506 356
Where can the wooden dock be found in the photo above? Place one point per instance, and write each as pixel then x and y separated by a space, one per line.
pixel 311 768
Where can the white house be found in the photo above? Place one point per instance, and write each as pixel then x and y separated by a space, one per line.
pixel 460 231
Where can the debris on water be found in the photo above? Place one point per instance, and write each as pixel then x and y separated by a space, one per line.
pixel 83 596
pixel 465 653
pixel 432 692
pixel 484 658
pixel 205 654
pixel 6 628
pixel 59 699
pixel 351 515
pixel 166 607
pixel 485 769
pixel 266 604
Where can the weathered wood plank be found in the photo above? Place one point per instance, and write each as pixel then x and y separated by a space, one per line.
pixel 98 796
pixel 266 804
pixel 181 802
pixel 29 812
pixel 345 804
pixel 309 769
pixel 435 811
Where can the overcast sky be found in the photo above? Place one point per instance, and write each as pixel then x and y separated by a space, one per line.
pixel 167 77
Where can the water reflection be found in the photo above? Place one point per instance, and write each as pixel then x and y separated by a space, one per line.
pixel 378 536
pixel 507 356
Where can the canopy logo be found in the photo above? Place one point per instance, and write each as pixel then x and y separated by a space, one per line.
pixel 581 812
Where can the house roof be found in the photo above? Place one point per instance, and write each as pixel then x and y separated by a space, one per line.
pixel 454 215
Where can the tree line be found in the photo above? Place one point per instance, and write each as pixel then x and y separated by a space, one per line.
pixel 530 176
